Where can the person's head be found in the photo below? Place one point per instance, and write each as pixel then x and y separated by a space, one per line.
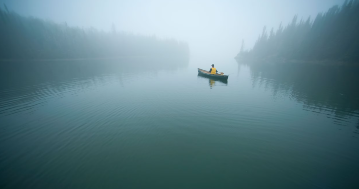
pixel 212 65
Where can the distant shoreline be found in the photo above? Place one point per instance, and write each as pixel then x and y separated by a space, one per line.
pixel 283 61
pixel 69 59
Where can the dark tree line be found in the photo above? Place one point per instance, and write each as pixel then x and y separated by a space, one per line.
pixel 332 36
pixel 32 38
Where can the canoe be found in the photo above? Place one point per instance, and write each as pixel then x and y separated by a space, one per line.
pixel 224 81
pixel 215 76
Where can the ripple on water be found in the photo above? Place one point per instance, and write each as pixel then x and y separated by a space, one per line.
pixel 115 128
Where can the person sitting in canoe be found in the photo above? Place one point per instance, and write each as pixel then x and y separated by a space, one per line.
pixel 213 70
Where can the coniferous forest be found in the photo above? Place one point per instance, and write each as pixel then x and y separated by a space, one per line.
pixel 332 38
pixel 32 38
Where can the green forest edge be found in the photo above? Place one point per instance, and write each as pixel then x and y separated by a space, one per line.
pixel 28 38
pixel 331 39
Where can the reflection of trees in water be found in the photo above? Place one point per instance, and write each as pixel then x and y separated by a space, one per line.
pixel 320 89
pixel 25 73
pixel 26 83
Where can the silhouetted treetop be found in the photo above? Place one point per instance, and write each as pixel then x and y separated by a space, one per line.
pixel 33 38
pixel 332 36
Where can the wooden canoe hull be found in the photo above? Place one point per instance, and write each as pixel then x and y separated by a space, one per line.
pixel 224 81
pixel 215 76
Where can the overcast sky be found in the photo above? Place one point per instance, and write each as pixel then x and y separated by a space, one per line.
pixel 213 27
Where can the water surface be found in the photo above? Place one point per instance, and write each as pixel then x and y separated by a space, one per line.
pixel 144 123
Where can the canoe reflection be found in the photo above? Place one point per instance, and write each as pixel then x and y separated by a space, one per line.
pixel 212 81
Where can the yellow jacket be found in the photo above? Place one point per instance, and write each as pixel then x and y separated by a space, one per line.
pixel 213 70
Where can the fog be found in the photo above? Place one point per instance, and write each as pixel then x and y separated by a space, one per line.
pixel 211 28
pixel 160 94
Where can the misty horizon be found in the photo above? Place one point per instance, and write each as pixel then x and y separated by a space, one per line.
pixel 211 28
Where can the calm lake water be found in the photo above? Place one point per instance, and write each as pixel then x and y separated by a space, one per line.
pixel 145 123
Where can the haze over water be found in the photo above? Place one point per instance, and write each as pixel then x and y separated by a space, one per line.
pixel 212 28
pixel 150 121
